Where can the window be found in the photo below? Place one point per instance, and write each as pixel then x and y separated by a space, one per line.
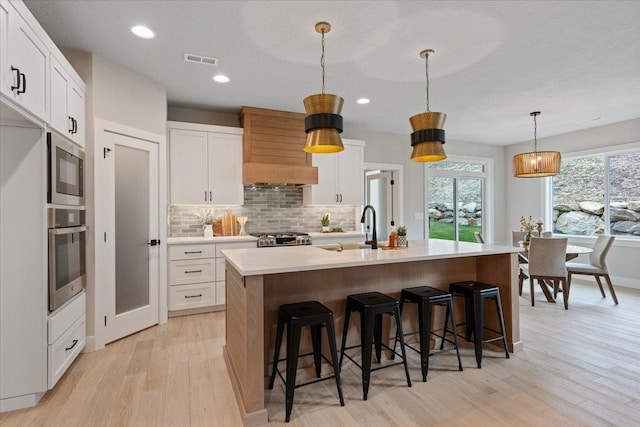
pixel 460 184
pixel 598 194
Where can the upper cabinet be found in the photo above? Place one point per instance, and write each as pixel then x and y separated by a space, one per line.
pixel 340 177
pixel 67 104
pixel 24 62
pixel 205 164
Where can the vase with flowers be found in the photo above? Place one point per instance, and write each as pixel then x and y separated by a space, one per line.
pixel 206 216
pixel 527 226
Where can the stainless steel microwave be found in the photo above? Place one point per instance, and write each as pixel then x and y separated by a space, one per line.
pixel 65 171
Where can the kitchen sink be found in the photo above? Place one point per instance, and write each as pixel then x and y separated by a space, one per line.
pixel 337 247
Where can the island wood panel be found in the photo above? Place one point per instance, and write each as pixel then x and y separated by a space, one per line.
pixel 244 339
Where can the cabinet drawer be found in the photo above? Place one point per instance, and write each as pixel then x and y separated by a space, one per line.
pixel 64 351
pixel 192 271
pixel 192 296
pixel 233 245
pixel 177 252
pixel 221 288
pixel 62 319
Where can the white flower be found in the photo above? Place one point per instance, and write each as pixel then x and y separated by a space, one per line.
pixel 206 216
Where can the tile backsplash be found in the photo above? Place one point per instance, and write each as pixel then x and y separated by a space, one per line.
pixel 269 208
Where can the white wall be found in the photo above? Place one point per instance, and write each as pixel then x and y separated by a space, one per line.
pixel 524 196
pixel 116 94
pixel 190 115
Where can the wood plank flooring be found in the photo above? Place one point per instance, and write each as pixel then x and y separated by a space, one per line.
pixel 579 367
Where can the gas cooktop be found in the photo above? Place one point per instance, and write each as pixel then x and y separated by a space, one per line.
pixel 282 238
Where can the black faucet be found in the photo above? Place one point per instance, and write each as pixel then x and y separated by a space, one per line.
pixel 374 237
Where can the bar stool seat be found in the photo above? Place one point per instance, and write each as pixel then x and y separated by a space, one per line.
pixel 371 306
pixel 475 294
pixel 294 317
pixel 427 297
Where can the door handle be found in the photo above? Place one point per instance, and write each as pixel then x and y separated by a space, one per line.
pixel 17 80
pixel 72 345
pixel 24 84
pixel 154 242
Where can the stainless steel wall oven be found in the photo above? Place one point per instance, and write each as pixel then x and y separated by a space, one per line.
pixel 67 259
pixel 66 171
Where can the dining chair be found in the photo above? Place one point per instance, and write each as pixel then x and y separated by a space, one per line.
pixel 516 238
pixel 479 237
pixel 597 265
pixel 547 262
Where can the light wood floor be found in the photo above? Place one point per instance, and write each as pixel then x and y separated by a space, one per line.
pixel 578 367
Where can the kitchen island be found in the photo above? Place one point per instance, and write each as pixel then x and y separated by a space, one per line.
pixel 259 280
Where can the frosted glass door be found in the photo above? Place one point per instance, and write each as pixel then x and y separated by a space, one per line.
pixel 132 228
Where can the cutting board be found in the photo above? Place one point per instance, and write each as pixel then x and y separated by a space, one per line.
pixel 229 224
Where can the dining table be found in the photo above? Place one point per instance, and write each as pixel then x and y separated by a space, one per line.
pixel 572 252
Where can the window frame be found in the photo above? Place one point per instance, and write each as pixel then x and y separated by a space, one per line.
pixel 620 239
pixel 487 177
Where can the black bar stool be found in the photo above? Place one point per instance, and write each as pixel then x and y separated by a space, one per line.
pixel 474 294
pixel 426 297
pixel 295 316
pixel 371 306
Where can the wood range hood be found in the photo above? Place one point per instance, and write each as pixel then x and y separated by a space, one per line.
pixel 273 145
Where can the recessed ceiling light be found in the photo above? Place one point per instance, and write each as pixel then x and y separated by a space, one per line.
pixel 221 78
pixel 143 32
pixel 363 101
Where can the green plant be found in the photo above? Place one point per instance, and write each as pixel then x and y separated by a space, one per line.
pixel 325 220
pixel 402 230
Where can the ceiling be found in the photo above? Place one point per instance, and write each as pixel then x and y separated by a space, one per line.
pixel 495 62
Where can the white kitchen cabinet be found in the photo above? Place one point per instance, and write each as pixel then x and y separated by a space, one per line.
pixel 67 104
pixel 340 177
pixel 25 63
pixel 197 275
pixel 66 337
pixel 206 164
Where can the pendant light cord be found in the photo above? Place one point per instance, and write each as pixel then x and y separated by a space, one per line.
pixel 322 61
pixel 535 134
pixel 426 70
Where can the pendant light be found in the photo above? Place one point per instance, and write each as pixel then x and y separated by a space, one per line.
pixel 428 136
pixel 323 123
pixel 536 164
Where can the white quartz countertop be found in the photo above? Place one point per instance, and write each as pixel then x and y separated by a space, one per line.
pixel 336 235
pixel 258 261
pixel 217 239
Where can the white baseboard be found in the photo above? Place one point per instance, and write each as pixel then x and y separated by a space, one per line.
pixel 624 282
pixel 20 402
pixel 90 345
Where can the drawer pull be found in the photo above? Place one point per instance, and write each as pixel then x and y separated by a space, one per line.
pixel 192 271
pixel 193 296
pixel 72 345
pixel 193 252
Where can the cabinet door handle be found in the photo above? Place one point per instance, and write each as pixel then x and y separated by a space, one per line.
pixel 192 252
pixel 71 128
pixel 17 79
pixel 192 271
pixel 24 84
pixel 72 345
pixel 336 198
pixel 75 126
pixel 205 196
pixel 210 196
pixel 340 198
pixel 193 296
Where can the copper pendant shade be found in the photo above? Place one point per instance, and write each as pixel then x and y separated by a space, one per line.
pixel 536 164
pixel 323 123
pixel 428 137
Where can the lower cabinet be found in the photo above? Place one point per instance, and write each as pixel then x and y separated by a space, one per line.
pixel 197 275
pixel 66 337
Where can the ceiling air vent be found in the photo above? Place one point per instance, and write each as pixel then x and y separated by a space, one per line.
pixel 199 59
